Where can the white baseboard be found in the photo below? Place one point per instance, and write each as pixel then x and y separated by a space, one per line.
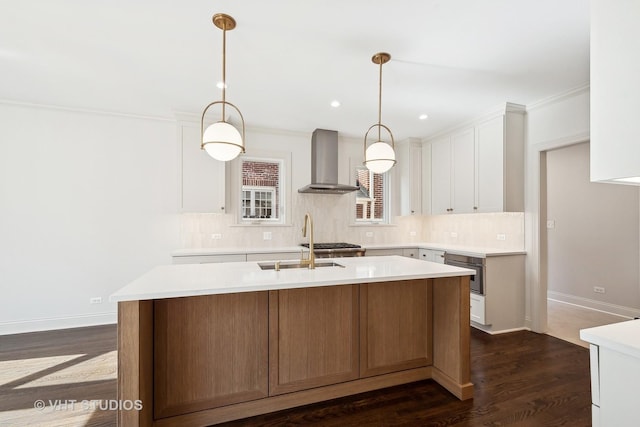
pixel 36 325
pixel 488 329
pixel 604 307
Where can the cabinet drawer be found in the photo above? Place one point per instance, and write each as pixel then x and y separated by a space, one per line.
pixel 276 256
pixel 383 252
pixel 206 259
pixel 410 252
pixel 477 309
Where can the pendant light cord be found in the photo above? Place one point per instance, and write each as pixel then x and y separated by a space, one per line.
pixel 380 102
pixel 224 69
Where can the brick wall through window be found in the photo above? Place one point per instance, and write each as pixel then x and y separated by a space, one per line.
pixel 263 174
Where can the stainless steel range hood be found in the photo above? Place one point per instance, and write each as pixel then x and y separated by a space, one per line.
pixel 324 165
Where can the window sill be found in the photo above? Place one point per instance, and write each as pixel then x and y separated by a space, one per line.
pixel 261 224
pixel 372 224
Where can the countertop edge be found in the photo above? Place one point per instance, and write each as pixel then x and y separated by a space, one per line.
pixel 182 280
pixel 612 337
pixel 480 252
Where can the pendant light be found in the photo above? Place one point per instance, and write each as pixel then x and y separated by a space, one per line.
pixel 221 140
pixel 380 156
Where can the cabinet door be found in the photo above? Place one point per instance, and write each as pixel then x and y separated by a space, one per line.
pixel 409 177
pixel 410 252
pixel 490 166
pixel 202 178
pixel 395 329
pixel 209 259
pixel 477 309
pixel 463 171
pixel 313 337
pixel 432 255
pixel 209 351
pixel 384 252
pixel 441 176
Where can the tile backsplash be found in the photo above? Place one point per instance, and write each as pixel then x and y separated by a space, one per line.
pixel 332 223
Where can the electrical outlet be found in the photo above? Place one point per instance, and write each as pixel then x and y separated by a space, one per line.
pixel 412 233
pixel 598 289
pixel 454 235
pixel 369 234
pixel 216 236
pixel 95 300
pixel 551 224
pixel 502 237
pixel 266 235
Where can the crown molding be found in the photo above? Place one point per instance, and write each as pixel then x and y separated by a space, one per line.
pixel 84 110
pixel 504 108
pixel 559 97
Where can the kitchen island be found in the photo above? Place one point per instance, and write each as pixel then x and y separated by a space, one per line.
pixel 200 344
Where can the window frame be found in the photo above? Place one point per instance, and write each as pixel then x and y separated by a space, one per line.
pixel 234 173
pixel 386 217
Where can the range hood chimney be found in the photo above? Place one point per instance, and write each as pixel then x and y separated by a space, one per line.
pixel 324 165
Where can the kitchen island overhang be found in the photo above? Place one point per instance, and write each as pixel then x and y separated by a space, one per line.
pixel 201 344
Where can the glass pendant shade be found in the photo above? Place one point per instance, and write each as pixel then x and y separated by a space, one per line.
pixel 379 157
pixel 222 141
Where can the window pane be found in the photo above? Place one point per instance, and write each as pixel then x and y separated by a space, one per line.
pixel 261 189
pixel 370 199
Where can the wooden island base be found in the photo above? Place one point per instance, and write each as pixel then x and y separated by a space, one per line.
pixel 202 360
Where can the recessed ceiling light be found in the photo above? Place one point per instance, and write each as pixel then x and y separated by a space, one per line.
pixel 221 85
pixel 423 117
pixel 335 103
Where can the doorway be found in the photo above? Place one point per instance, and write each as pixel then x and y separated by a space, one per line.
pixel 589 234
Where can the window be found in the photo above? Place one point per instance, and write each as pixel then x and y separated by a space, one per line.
pixel 261 190
pixel 371 199
pixel 258 203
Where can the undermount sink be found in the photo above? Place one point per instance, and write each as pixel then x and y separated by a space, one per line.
pixel 296 264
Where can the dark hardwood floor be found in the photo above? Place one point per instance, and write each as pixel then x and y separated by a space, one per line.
pixel 521 379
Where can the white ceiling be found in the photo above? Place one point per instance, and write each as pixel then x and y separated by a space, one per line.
pixel 288 59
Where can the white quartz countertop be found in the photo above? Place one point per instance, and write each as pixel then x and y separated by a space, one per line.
pixel 236 250
pixel 623 337
pixel 475 251
pixel 181 280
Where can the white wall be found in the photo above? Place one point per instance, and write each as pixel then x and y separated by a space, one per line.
pixel 88 202
pixel 551 123
pixel 594 241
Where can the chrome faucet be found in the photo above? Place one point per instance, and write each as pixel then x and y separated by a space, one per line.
pixel 311 261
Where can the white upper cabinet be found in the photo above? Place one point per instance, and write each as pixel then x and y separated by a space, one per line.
pixel 409 176
pixel 202 178
pixel 441 175
pixel 452 173
pixel 615 91
pixel 481 167
pixel 462 171
pixel 489 177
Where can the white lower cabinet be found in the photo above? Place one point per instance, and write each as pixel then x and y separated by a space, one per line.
pixel 276 256
pixel 432 255
pixel 207 259
pixel 614 380
pixel 502 306
pixel 477 308
pixel 410 252
pixel 264 256
pixel 384 252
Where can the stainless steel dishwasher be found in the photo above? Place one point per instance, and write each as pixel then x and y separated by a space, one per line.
pixel 473 263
